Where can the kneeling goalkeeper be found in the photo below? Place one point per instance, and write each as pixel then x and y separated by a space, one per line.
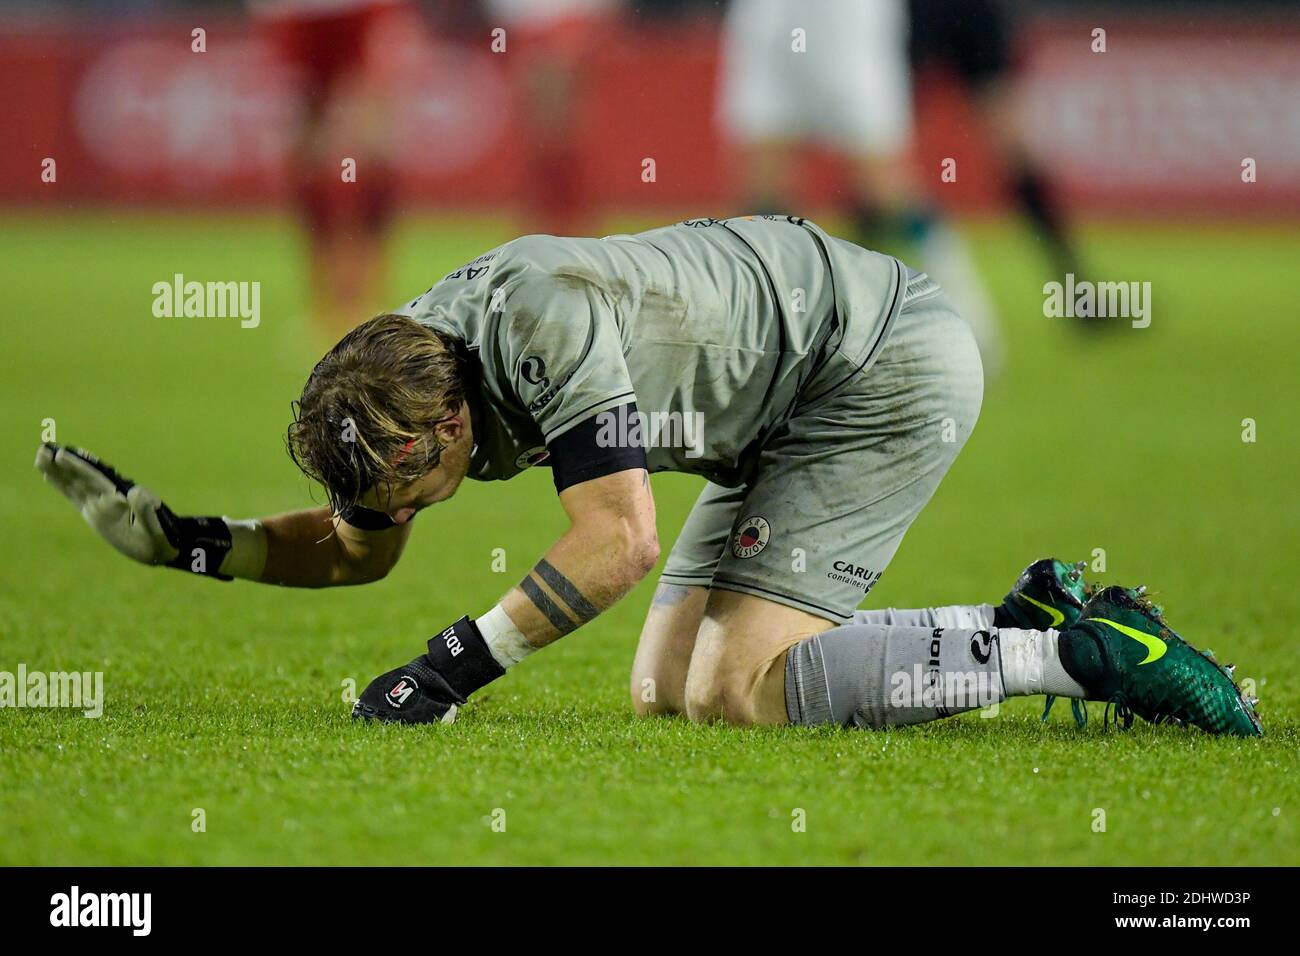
pixel 821 389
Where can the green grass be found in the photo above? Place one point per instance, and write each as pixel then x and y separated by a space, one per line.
pixel 228 697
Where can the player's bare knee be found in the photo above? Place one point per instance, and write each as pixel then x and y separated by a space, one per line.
pixel 725 701
pixel 737 673
pixel 703 701
pixel 703 695
pixel 722 690
pixel 664 651
pixel 648 694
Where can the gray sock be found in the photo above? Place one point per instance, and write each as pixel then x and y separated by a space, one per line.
pixel 871 675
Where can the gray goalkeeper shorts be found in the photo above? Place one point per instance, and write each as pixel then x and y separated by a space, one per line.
pixel 838 485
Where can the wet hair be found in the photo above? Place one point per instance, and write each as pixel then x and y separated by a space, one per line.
pixel 368 413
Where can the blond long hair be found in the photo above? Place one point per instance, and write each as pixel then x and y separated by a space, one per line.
pixel 368 413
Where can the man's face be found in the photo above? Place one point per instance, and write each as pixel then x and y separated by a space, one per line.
pixel 401 502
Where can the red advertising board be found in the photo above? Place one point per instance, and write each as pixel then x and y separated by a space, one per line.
pixel 1161 122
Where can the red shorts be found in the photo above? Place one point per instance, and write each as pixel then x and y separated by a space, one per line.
pixel 327 47
pixel 568 41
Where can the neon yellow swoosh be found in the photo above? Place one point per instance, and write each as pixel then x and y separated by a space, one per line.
pixel 1155 647
pixel 1057 616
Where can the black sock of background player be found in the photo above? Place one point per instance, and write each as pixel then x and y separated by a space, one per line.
pixel 867 218
pixel 895 234
pixel 1035 199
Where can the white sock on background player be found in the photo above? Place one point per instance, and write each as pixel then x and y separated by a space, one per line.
pixel 948 261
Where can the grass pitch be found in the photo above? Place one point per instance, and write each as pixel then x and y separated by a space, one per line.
pixel 227 698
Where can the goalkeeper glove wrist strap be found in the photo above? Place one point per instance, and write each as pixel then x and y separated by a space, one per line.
pixel 215 547
pixel 461 656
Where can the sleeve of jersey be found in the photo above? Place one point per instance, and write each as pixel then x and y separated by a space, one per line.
pixel 560 347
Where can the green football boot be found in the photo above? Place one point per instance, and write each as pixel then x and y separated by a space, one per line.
pixel 1048 593
pixel 1122 652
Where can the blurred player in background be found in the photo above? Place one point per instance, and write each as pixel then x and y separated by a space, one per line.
pixel 972 39
pixel 340 53
pixel 844 83
pixel 548 42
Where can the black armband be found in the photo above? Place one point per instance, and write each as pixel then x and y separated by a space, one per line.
pixel 461 656
pixel 596 447
pixel 202 543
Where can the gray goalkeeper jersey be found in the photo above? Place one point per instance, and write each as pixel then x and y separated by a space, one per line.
pixel 718 330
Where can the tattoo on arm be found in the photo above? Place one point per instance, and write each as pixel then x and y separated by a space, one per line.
pixel 566 591
pixel 559 620
pixel 579 607
pixel 666 595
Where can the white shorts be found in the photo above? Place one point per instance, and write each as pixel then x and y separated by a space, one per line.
pixel 850 87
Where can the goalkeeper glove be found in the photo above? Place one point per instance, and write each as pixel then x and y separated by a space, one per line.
pixel 431 688
pixel 136 522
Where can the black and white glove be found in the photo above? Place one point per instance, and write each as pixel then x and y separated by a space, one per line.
pixel 431 688
pixel 135 521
